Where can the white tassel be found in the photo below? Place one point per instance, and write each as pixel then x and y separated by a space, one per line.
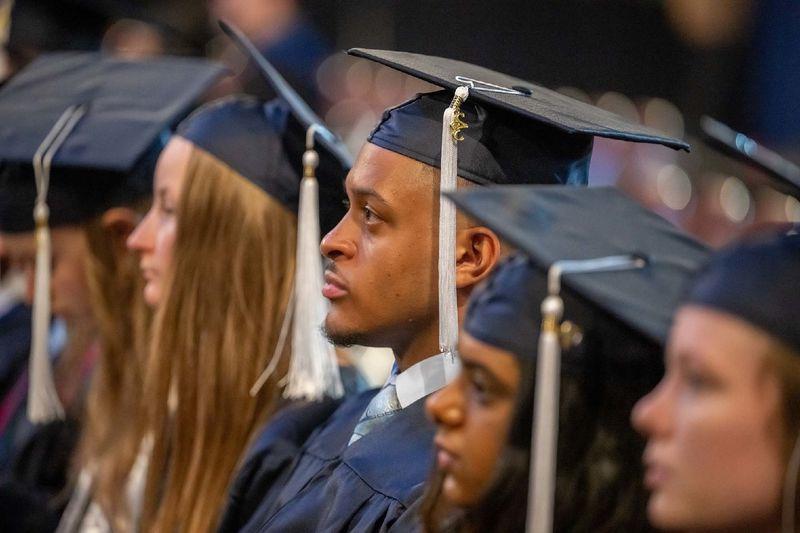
pixel 544 440
pixel 448 309
pixel 313 369
pixel 43 402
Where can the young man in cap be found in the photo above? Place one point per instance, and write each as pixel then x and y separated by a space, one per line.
pixel 365 465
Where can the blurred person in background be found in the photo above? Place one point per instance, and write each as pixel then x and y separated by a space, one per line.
pixel 15 324
pixel 94 196
pixel 284 36
pixel 723 427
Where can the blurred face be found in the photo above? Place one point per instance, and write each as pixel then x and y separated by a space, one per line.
pixel 69 292
pixel 713 458
pixel 473 414
pixel 154 237
pixel 381 280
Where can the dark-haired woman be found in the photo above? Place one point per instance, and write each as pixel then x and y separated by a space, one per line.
pixel 484 417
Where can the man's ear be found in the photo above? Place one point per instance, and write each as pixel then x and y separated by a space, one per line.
pixel 478 250
pixel 119 223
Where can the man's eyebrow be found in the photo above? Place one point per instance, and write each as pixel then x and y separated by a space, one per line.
pixel 368 192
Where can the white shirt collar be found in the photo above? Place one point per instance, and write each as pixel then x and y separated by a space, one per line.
pixel 12 290
pixel 426 377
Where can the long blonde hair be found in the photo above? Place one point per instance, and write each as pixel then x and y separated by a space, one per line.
pixel 107 444
pixel 215 331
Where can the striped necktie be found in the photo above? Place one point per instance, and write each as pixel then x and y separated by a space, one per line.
pixel 381 408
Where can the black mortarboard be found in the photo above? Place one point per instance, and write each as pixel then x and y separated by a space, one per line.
pixel 615 259
pixel 756 281
pixel 264 142
pixel 518 132
pixel 109 155
pixel 552 224
pixel 784 174
pixel 79 133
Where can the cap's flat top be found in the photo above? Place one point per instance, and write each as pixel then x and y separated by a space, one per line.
pixel 129 104
pixel 538 103
pixel 784 173
pixel 299 107
pixel 552 223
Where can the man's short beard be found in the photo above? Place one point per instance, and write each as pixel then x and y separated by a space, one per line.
pixel 345 338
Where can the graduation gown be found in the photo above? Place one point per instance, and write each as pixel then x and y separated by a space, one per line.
pixel 368 486
pixel 15 345
pixel 270 457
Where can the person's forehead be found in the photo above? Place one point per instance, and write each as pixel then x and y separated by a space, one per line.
pixel 715 335
pixel 475 353
pixel 388 174
pixel 173 162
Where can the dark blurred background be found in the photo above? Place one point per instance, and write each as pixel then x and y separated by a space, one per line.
pixel 664 63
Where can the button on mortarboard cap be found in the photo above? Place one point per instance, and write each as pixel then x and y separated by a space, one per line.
pixel 756 281
pixel 96 123
pixel 285 149
pixel 616 256
pixel 784 174
pixel 126 106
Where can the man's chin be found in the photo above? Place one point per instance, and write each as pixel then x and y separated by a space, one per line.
pixel 343 335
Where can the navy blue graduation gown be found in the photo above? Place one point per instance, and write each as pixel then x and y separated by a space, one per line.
pixel 368 486
pixel 15 345
pixel 270 457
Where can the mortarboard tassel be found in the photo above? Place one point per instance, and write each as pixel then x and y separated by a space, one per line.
pixel 545 433
pixel 544 438
pixel 313 369
pixel 43 402
pixel 452 124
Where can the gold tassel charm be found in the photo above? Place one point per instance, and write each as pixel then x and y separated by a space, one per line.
pixel 457 124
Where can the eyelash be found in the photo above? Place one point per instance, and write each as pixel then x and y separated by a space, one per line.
pixel 369 214
pixel 482 391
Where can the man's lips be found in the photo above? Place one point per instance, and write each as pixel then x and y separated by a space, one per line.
pixel 334 286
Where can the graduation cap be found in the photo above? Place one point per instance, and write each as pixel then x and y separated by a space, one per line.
pixel 613 257
pixel 118 110
pixel 763 271
pixel 784 174
pixel 79 133
pixel 491 128
pixel 285 149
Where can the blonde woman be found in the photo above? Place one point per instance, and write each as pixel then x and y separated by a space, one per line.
pixel 218 258
pixel 723 426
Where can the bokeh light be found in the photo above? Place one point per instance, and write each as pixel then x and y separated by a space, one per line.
pixel 674 187
pixel 734 198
